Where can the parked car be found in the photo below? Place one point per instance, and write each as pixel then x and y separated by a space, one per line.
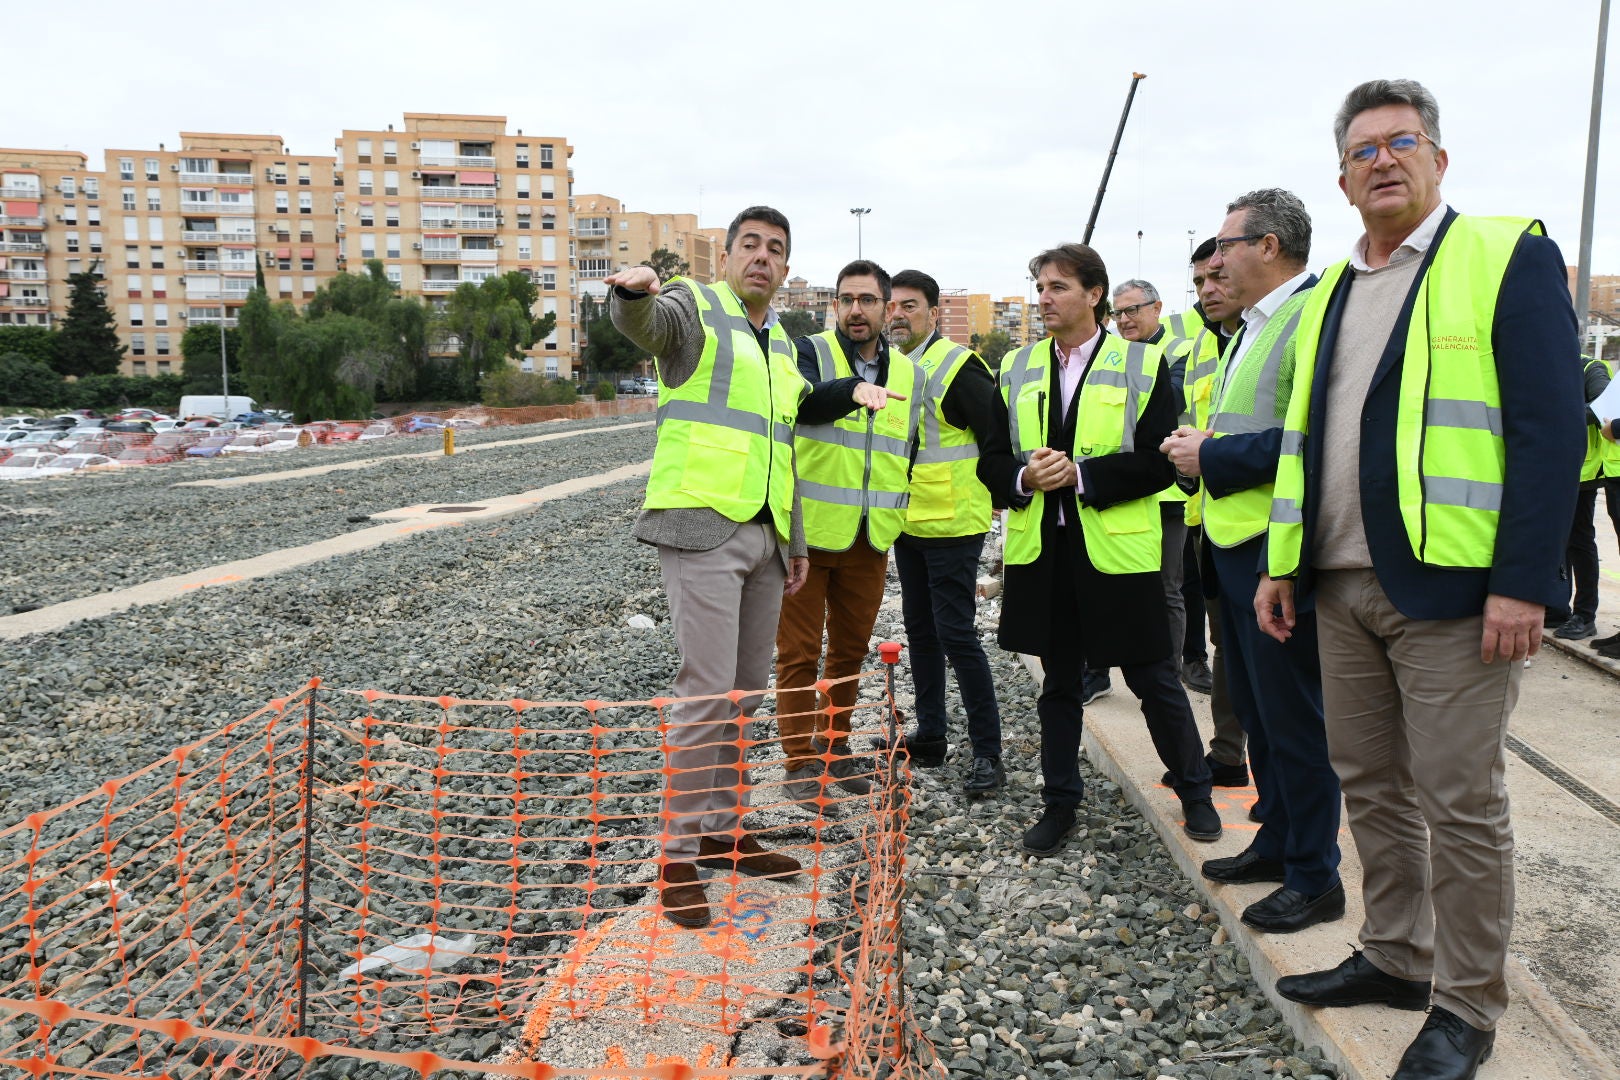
pixel 147 455
pixel 25 464
pixel 211 446
pixel 13 435
pixel 423 423
pixel 39 437
pixel 167 425
pixel 249 442
pixel 179 441
pixel 287 438
pixel 97 442
pixel 376 431
pixel 257 419
pixel 133 427
pixel 18 421
pixel 72 463
pixel 464 422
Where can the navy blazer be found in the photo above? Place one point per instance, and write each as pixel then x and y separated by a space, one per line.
pixel 1538 368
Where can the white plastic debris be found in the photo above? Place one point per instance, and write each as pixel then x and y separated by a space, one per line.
pixel 640 622
pixel 110 885
pixel 412 956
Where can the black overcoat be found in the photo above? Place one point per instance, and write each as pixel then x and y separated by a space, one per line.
pixel 1122 618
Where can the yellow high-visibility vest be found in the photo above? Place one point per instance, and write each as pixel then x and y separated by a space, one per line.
pixel 947 498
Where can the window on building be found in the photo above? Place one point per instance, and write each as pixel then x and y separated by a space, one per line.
pixel 283 262
pixel 306 262
pixel 152 167
pixel 278 173
pixel 126 168
pixel 391 245
pixel 156 261
pixel 546 161
pixel 392 271
pixel 522 153
pixel 306 202
pixel 367 215
pixel 284 285
pixel 74 266
pixel 154 199
pixel 306 231
pixel 139 366
pixel 134 282
pixel 95 243
pixel 368 245
pixel 390 151
pixel 548 187
pixel 548 249
pixel 137 344
pixel 391 215
pixel 160 286
pixel 92 188
pixel 70 215
pixel 68 187
pixel 548 278
pixel 160 344
pixel 160 314
pixel 283 202
pixel 132 228
pixel 309 286
pixel 92 215
pixel 303 174
pixel 366 180
pixel 129 198
pixel 362 150
pixel 522 187
pixel 154 228
pixel 525 247
pixel 548 221
pixel 137 314
pixel 391 182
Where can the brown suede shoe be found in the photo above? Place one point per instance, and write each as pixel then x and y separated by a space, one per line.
pixel 681 895
pixel 748 857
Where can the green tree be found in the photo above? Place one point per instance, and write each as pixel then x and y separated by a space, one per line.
pixel 317 375
pixel 606 350
pixel 259 329
pixel 199 365
pixel 24 380
pixel 666 264
pixel 399 355
pixel 494 321
pixel 87 343
pixel 509 388
pixel 798 323
pixel 992 347
pixel 37 343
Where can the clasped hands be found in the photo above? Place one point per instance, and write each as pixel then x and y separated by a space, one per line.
pixel 1050 470
pixel 1181 446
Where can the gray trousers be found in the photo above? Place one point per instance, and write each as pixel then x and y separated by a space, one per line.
pixel 1173 518
pixel 1417 729
pixel 724 604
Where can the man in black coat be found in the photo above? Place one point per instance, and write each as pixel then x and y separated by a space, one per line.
pixel 1082 556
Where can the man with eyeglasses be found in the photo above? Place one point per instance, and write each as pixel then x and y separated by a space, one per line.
pixel 937 552
pixel 1423 499
pixel 1276 688
pixel 853 476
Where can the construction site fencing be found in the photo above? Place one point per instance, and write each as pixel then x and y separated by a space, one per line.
pixel 357 883
pixel 535 414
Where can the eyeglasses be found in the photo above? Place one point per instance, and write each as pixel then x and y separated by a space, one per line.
pixel 846 301
pixel 1402 145
pixel 1130 312
pixel 1223 244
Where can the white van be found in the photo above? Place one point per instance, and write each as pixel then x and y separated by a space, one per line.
pixel 216 405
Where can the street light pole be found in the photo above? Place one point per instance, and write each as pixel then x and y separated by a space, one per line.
pixel 859 212
pixel 224 366
pixel 1583 273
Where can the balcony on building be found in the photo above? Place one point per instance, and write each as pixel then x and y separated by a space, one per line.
pixel 23 273
pixel 22 244
pixel 466 154
pixel 209 316
pixel 214 171
pixel 457 185
pixel 468 220
pixel 22 213
pixel 6 300
pixel 441 279
pixel 592 228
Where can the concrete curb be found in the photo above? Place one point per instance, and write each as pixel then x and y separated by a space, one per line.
pixel 1580 651
pixel 1536 1040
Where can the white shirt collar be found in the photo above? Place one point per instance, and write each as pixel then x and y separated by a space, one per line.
pixel 1420 241
pixel 1267 305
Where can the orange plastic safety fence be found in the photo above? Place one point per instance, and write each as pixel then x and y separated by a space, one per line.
pixel 534 414
pixel 441 885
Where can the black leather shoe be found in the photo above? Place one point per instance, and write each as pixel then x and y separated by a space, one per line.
pixel 1355 982
pixel 1611 651
pixel 1220 774
pixel 1448 1048
pixel 1243 868
pixel 1202 822
pixel 925 752
pixel 1094 685
pixel 1598 643
pixel 1197 677
pixel 986 777
pixel 1576 628
pixel 1286 910
pixel 1047 836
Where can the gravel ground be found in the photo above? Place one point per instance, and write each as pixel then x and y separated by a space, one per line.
pixel 66 537
pixel 1100 963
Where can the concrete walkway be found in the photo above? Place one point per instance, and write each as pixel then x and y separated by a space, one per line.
pixel 400 524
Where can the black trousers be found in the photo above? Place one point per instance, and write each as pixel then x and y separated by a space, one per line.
pixel 1193 645
pixel 1277 692
pixel 1169 715
pixel 1581 556
pixel 938 601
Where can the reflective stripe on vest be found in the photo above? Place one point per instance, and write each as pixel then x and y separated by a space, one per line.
pixel 1125 538
pixel 725 435
pixel 1601 456
pixel 859 464
pixel 1197 384
pixel 1450 456
pixel 1248 401
pixel 1179 329
pixel 947 498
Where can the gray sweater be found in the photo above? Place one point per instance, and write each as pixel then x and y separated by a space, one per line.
pixel 666 324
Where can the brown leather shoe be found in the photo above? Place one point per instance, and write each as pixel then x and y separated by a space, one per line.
pixel 681 895
pixel 748 857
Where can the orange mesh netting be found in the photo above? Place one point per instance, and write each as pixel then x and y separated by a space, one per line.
pixel 407 885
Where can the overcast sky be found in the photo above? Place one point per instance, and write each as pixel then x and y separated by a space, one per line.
pixel 975 131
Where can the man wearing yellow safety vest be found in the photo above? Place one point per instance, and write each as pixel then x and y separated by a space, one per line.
pixel 1262 250
pixel 937 553
pixel 854 471
pixel 1078 465
pixel 1576 617
pixel 1424 494
pixel 722 511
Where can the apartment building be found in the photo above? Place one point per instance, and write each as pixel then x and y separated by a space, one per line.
pixel 1604 295
pixel 449 198
pixel 49 204
pixel 609 237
